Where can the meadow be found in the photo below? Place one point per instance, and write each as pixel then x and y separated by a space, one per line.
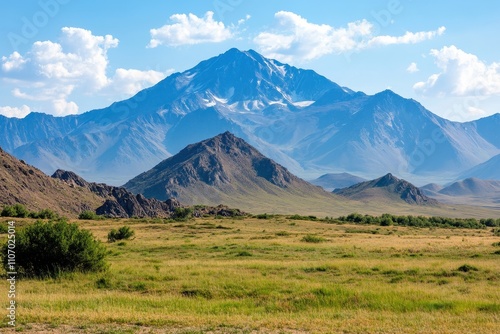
pixel 273 275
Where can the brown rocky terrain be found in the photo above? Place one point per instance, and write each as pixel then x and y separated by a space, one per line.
pixel 387 186
pixel 25 184
pixel 118 201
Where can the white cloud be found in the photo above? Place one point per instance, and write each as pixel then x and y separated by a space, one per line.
pixel 190 29
pixel 63 107
pixel 407 38
pixel 57 73
pixel 462 74
pixel 412 68
pixel 14 62
pixel 132 81
pixel 15 112
pixel 296 39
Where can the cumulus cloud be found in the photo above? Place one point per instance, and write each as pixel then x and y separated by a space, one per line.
pixel 14 62
pixel 75 66
pixel 297 39
pixel 412 68
pixel 191 29
pixel 14 111
pixel 461 74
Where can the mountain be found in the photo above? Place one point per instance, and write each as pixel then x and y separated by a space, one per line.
pixel 387 186
pixel 489 170
pixel 431 189
pixel 474 187
pixel 221 169
pixel 385 132
pixel 470 191
pixel 296 117
pixel 25 184
pixel 119 202
pixel 333 181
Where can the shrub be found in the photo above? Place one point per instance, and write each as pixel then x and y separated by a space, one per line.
pixel 466 268
pixel 244 253
pixel 299 217
pixel 8 211
pixel 21 211
pixel 122 233
pixel 89 215
pixel 182 213
pixel 16 210
pixel 313 239
pixel 47 249
pixel 44 214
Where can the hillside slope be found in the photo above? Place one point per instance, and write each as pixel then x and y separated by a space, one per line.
pixel 25 184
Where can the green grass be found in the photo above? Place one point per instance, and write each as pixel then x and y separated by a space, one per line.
pixel 262 275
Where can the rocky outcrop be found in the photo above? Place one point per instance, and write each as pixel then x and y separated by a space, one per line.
pixel 220 210
pixel 21 183
pixel 120 203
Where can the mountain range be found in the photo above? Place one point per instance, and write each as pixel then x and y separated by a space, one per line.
pixel 223 169
pixel 298 118
pixel 472 191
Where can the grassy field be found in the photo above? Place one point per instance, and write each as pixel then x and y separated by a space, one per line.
pixel 274 276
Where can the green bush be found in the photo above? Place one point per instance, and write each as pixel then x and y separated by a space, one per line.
pixel 419 221
pixel 16 211
pixel 182 213
pixel 466 268
pixel 47 249
pixel 299 217
pixel 44 214
pixel 89 215
pixel 122 233
pixel 313 239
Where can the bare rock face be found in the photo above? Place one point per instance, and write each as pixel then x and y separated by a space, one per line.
pixel 120 203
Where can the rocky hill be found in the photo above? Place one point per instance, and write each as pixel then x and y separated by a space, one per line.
pixel 222 169
pixel 25 184
pixel 118 201
pixel 387 186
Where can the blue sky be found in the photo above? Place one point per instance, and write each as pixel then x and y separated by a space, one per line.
pixel 70 56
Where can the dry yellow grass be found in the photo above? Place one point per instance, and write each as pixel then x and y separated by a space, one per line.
pixel 259 276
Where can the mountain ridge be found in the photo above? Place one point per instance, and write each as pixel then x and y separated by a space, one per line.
pixel 297 117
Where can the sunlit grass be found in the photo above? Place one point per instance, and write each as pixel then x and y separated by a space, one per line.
pixel 228 275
